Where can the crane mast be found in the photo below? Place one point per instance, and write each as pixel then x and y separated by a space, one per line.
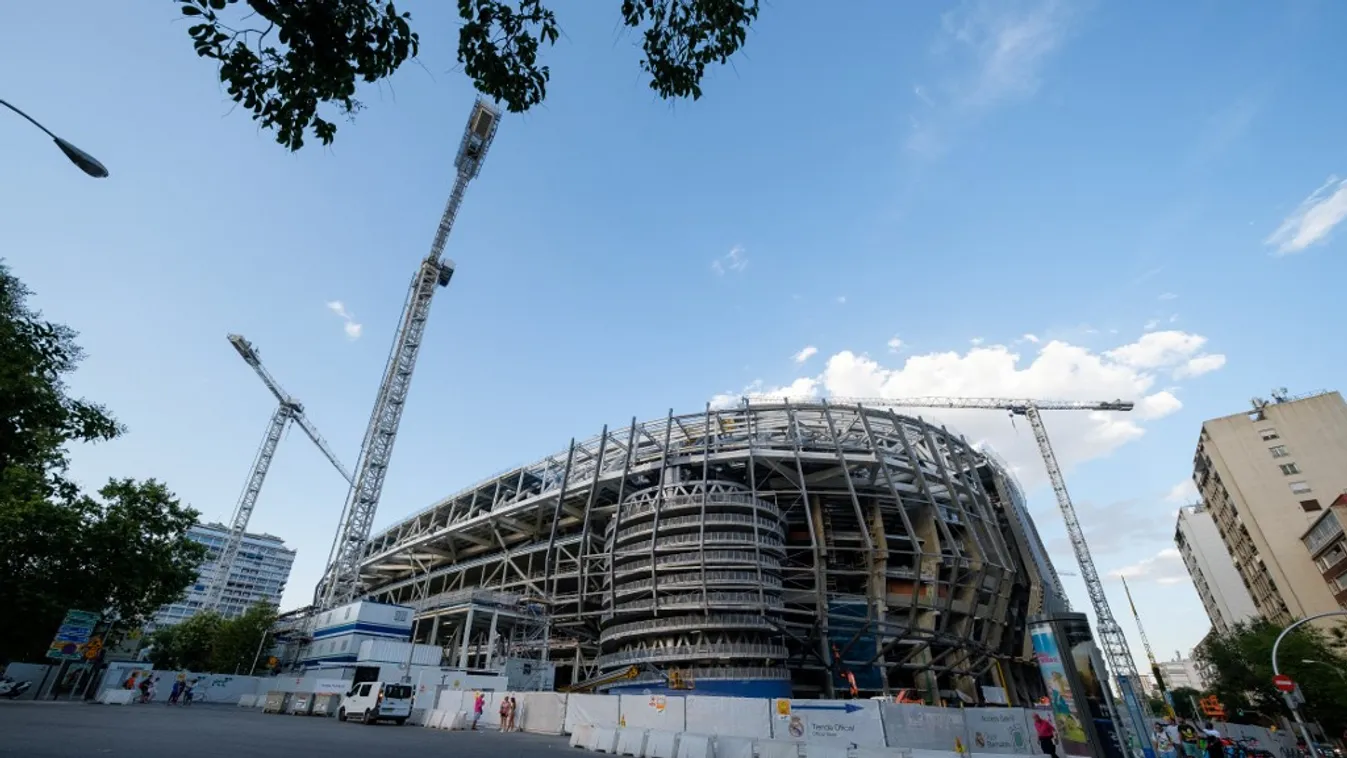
pixel 341 580
pixel 1111 637
pixel 1146 643
pixel 288 410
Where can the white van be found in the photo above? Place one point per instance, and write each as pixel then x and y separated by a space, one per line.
pixel 373 701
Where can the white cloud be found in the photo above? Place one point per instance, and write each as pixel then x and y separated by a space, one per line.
pixel 841 299
pixel 1312 221
pixel 976 341
pixel 734 260
pixel 1152 324
pixel 805 354
pixel 351 326
pixel 1165 567
pixel 1199 365
pixel 1030 338
pixel 992 52
pixel 1057 370
pixel 894 344
pixel 1158 350
pixel 1168 296
pixel 1182 493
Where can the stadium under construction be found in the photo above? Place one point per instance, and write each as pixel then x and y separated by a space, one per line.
pixel 777 549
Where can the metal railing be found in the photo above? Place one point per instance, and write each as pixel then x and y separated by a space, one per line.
pixel 679 502
pixel 736 600
pixel 698 579
pixel 709 557
pixel 770 526
pixel 763 542
pixel 673 624
pixel 713 674
pixel 693 652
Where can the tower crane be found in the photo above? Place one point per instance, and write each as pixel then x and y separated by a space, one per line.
pixel 1110 634
pixel 341 580
pixel 288 410
pixel 1150 654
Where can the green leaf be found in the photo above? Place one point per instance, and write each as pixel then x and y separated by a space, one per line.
pixel 191 10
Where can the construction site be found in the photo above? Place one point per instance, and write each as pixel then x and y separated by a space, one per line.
pixel 807 548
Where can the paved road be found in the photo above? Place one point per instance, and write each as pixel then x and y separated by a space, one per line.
pixel 77 730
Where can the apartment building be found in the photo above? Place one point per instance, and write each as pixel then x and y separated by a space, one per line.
pixel 1327 545
pixel 1266 476
pixel 1224 596
pixel 260 572
pixel 1181 672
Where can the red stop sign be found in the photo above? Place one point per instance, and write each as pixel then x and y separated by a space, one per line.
pixel 1283 683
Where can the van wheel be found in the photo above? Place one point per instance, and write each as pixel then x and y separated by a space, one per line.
pixel 369 717
pixel 400 721
pixel 341 714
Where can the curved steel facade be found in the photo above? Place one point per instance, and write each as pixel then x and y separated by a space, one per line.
pixel 776 549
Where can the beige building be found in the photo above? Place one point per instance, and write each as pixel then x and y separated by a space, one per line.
pixel 1218 584
pixel 1327 544
pixel 1266 475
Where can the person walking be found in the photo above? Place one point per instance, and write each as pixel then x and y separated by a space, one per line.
pixel 514 714
pixel 1164 747
pixel 478 705
pixel 1214 746
pixel 1047 735
pixel 175 693
pixel 505 714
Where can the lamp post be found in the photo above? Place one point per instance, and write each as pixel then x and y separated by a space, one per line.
pixel 87 163
pixel 1295 711
pixel 1335 669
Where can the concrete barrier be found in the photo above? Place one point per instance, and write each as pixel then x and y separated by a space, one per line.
pixel 733 747
pixel 247 701
pixel 603 739
pixel 825 750
pixel 581 734
pixel 778 749
pixel 694 746
pixel 631 741
pixel 661 744
pixel 116 697
pixel 881 752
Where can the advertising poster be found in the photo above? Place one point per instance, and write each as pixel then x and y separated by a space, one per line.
pixel 1066 712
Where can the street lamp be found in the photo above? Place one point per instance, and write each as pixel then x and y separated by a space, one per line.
pixel 87 163
pixel 1336 670
pixel 1276 671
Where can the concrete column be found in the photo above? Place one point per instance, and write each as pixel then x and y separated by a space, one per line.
pixel 467 636
pixel 491 640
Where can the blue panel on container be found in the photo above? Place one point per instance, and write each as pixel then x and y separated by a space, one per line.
pixel 844 620
pixel 718 687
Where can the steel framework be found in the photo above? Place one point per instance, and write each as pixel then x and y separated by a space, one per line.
pixel 781 541
pixel 341 583
pixel 288 409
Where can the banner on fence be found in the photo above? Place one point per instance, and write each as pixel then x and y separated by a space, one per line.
pixel 846 722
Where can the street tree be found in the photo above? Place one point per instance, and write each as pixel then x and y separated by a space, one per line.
pixel 283 60
pixel 122 553
pixel 1242 662
pixel 238 640
pixel 1184 698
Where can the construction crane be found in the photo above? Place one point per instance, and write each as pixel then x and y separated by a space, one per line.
pixel 341 580
pixel 288 410
pixel 1110 634
pixel 1150 654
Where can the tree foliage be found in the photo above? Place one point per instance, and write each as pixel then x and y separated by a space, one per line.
pixel 208 643
pixel 122 553
pixel 322 48
pixel 1184 697
pixel 1242 661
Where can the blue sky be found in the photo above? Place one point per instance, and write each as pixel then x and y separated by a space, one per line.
pixel 1031 198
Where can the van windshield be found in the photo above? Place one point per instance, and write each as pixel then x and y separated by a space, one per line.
pixel 397 691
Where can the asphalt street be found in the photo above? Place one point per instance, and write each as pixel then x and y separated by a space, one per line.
pixel 77 730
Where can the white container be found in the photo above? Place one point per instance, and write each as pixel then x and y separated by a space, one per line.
pixel 367 617
pixel 390 651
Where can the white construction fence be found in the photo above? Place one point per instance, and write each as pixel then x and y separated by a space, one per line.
pixel 694 726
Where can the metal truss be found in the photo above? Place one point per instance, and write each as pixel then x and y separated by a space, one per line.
pixel 892 548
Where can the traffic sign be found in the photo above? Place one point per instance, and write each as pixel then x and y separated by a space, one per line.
pixel 1283 683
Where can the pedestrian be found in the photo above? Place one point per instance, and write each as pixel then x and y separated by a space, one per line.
pixel 175 693
pixel 514 714
pixel 1163 745
pixel 145 689
pixel 187 689
pixel 1047 735
pixel 1215 747
pixel 1172 732
pixel 478 704
pixel 505 714
pixel 1188 740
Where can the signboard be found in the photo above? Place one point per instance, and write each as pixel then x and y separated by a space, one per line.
pixel 1283 683
pixel 70 639
pixel 998 730
pixel 1066 713
pixel 92 648
pixel 842 722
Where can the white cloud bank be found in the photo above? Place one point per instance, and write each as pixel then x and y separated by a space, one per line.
pixel 1165 567
pixel 352 327
pixel 1182 493
pixel 1311 222
pixel 1058 370
pixel 735 260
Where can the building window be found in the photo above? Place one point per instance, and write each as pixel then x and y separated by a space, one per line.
pixel 1311 505
pixel 1300 487
pixel 1268 434
pixel 1290 468
pixel 1341 582
pixel 1278 451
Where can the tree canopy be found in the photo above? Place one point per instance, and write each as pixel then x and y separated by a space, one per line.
pixel 284 59
pixel 1242 662
pixel 123 553
pixel 208 643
